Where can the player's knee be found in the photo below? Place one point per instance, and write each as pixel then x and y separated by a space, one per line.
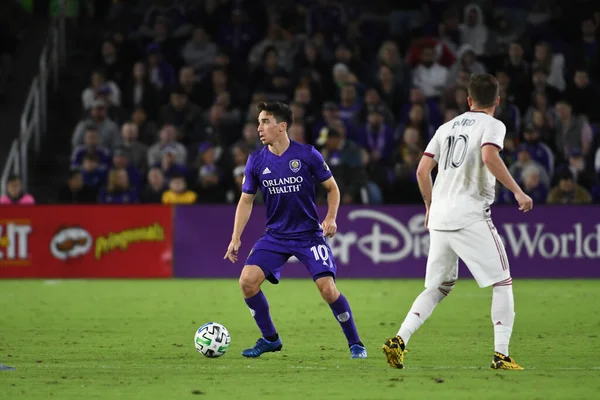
pixel 250 282
pixel 328 290
pixel 446 287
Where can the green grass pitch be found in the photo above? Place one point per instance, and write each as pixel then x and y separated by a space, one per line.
pixel 134 340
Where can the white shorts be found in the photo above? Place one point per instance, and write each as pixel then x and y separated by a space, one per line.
pixel 480 248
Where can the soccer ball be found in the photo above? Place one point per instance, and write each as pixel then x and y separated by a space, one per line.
pixel 212 340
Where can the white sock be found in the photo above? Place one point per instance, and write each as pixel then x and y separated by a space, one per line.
pixel 503 316
pixel 419 312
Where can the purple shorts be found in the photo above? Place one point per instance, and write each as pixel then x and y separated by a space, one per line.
pixel 270 254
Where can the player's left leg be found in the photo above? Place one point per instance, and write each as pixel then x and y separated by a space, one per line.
pixel 482 250
pixel 440 277
pixel 342 312
pixel 318 259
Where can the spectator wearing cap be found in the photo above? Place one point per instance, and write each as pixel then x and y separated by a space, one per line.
pixel 538 150
pixel 178 192
pixel 74 191
pixel 136 150
pixel 376 136
pixel 118 189
pixel 15 195
pixel 156 186
pixel 572 131
pixel 168 163
pixel 91 145
pixel 100 89
pixel 167 138
pixel 93 174
pixel 210 177
pixel 108 131
pixel 122 159
pixel 567 191
pixel 182 114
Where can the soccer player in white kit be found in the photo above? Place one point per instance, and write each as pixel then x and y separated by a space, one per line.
pixel 466 152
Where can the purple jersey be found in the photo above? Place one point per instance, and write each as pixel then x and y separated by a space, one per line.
pixel 288 183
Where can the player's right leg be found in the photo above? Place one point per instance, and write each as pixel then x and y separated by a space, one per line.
pixel 483 252
pixel 440 277
pixel 264 262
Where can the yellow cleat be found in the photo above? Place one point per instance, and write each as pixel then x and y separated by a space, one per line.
pixel 501 361
pixel 394 350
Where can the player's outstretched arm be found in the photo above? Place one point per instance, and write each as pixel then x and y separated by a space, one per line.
pixel 333 205
pixel 242 215
pixel 490 154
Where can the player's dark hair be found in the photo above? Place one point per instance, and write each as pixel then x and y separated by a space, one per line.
pixel 280 111
pixel 483 89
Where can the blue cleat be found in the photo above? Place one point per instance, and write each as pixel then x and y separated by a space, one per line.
pixel 358 351
pixel 262 346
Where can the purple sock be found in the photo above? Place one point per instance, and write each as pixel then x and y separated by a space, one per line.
pixel 259 307
pixel 341 311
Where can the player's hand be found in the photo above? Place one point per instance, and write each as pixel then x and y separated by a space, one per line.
pixel 329 227
pixel 427 219
pixel 232 250
pixel 525 202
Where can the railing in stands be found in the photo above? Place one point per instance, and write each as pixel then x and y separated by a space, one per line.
pixel 34 118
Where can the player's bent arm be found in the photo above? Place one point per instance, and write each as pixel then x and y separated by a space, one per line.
pixel 242 214
pixel 490 154
pixel 333 197
pixel 426 165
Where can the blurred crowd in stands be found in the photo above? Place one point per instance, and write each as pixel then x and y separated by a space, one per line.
pixel 169 114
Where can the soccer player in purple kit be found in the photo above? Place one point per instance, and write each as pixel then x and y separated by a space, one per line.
pixel 286 172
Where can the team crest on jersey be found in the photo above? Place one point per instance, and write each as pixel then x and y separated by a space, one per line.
pixel 295 165
pixel 325 166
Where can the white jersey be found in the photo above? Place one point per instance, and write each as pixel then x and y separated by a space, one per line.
pixel 464 188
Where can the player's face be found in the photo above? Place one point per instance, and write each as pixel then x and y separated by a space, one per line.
pixel 268 128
